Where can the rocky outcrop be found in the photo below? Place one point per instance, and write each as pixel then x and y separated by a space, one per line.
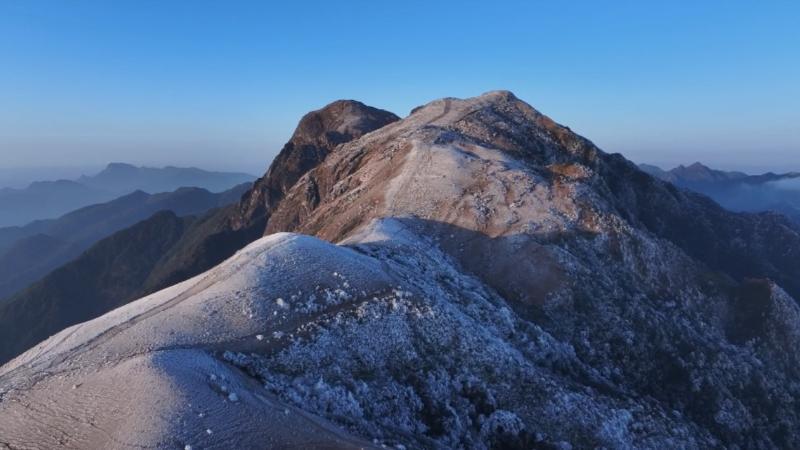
pixel 497 281
pixel 192 248
pixel 220 234
pixel 394 172
pixel 317 134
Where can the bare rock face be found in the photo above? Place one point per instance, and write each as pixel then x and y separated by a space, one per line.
pixel 317 134
pixel 494 165
pixel 585 245
pixel 480 277
pixel 219 235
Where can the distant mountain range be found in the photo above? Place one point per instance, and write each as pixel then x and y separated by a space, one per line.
pixel 50 199
pixel 28 253
pixel 474 275
pixel 130 263
pixel 170 248
pixel 101 279
pixel 737 191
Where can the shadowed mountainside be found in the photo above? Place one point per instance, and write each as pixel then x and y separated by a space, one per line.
pixel 100 280
pixel 28 253
pixel 738 191
pixel 51 199
pixel 471 276
pixel 198 245
pixel 219 235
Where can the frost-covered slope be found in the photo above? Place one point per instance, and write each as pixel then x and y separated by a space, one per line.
pixel 494 165
pixel 497 282
pixel 145 374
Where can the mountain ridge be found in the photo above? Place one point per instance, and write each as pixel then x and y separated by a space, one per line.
pixel 43 200
pixel 584 161
pixel 210 239
pixel 124 177
pixel 24 259
pixel 738 191
pixel 218 236
pixel 627 312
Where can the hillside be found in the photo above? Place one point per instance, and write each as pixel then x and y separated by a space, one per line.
pixel 738 191
pixel 51 199
pixel 30 252
pixel 474 275
pixel 200 245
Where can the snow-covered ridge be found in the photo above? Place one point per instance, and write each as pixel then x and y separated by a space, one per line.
pixel 493 285
pixel 161 344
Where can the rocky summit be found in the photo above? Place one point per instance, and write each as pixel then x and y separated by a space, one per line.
pixel 474 275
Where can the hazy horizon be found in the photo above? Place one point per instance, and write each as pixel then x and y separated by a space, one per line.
pixel 21 177
pixel 343 273
pixel 221 87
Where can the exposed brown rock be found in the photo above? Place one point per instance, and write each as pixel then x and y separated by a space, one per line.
pixel 317 134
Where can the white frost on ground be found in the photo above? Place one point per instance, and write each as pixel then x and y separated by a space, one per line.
pixel 482 301
pixel 139 355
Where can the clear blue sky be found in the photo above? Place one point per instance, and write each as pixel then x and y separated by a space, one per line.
pixel 222 84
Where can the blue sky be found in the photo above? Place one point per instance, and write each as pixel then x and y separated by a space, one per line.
pixel 222 84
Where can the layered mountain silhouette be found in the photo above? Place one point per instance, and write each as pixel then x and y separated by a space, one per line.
pixel 98 281
pixel 220 234
pixel 28 253
pixel 121 177
pixel 196 245
pixel 51 199
pixel 471 276
pixel 738 191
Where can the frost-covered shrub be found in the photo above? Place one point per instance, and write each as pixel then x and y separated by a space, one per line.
pixel 503 429
pixel 444 361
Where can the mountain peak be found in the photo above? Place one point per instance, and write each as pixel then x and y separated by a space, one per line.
pixel 120 166
pixel 697 165
pixel 584 297
pixel 316 135
pixel 496 120
pixel 432 157
pixel 499 93
pixel 700 173
pixel 339 122
pixel 462 105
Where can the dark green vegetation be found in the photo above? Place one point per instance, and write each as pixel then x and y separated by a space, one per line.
pixel 30 252
pixel 50 199
pixel 180 248
pixel 107 276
